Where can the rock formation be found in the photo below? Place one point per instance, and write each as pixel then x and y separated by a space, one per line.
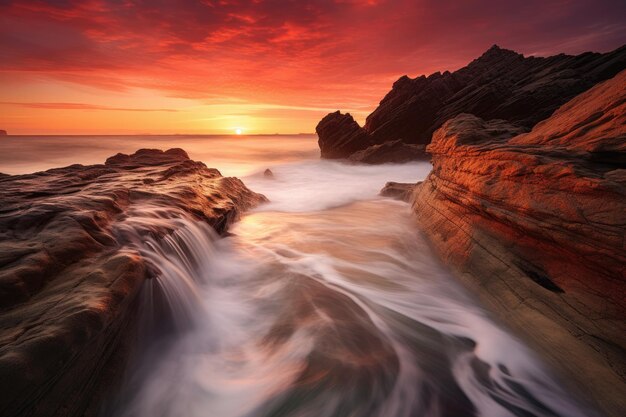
pixel 500 84
pixel 340 135
pixel 536 223
pixel 395 151
pixel 398 190
pixel 3 133
pixel 69 281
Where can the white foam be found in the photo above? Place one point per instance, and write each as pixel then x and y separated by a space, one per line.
pixel 322 184
pixel 236 288
pixel 325 227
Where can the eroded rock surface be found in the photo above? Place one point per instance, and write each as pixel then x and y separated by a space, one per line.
pixel 500 84
pixel 69 282
pixel 340 135
pixel 536 223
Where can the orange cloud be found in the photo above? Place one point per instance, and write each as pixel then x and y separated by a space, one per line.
pixel 81 106
pixel 326 54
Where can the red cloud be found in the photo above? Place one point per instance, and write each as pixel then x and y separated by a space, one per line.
pixel 329 54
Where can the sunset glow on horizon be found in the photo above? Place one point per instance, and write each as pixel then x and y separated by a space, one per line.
pixel 254 67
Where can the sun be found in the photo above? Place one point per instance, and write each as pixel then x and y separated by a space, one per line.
pixel 238 131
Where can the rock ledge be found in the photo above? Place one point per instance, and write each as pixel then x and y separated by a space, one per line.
pixel 69 282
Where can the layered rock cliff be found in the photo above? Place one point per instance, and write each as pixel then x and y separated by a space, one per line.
pixel 69 278
pixel 500 84
pixel 536 223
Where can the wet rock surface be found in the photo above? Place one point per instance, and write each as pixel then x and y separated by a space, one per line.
pixel 389 152
pixel 69 281
pixel 398 190
pixel 500 84
pixel 535 222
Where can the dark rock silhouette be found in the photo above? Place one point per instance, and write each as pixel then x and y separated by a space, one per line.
pixel 69 282
pixel 535 223
pixel 3 133
pixel 340 135
pixel 500 84
pixel 268 173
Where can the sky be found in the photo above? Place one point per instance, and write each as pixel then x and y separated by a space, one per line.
pixel 214 66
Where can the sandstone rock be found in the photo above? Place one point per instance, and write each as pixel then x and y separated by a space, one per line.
pixel 535 223
pixel 148 157
pixel 69 283
pixel 398 190
pixel 500 84
pixel 389 152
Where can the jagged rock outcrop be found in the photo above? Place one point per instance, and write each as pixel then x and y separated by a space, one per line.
pixel 536 223
pixel 340 135
pixel 500 84
pixel 69 281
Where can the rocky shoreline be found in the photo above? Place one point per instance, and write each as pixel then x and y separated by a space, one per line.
pixel 534 223
pixel 69 280
pixel 531 216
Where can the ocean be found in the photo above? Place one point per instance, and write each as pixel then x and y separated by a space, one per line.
pixel 326 301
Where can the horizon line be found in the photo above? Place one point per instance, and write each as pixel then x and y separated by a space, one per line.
pixel 162 134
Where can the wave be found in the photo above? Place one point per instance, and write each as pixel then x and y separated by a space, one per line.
pixel 322 184
pixel 321 313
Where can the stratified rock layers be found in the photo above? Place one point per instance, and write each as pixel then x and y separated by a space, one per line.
pixel 500 84
pixel 340 135
pixel 69 283
pixel 536 223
